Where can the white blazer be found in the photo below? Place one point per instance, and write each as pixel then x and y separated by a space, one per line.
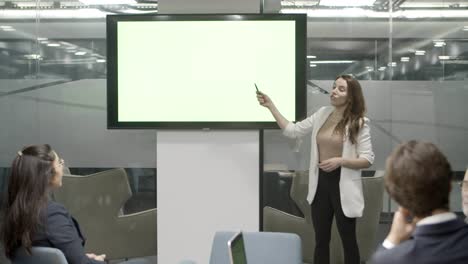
pixel 352 200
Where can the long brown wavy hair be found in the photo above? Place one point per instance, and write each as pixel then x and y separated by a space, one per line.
pixel 355 109
pixel 27 196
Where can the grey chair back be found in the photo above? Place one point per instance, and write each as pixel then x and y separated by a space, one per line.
pixel 366 226
pixel 95 201
pixel 40 255
pixel 260 247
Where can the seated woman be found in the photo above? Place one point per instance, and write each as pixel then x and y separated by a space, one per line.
pixel 31 218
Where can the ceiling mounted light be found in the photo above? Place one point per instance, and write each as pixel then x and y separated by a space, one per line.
pixel 405 59
pixel 444 57
pixel 53 45
pixel 365 12
pixel 311 57
pixel 346 3
pixel 80 53
pixel 439 43
pixel 108 2
pixel 332 62
pixel 420 52
pixel 32 56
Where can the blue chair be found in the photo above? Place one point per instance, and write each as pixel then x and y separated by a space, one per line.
pixel 260 248
pixel 39 255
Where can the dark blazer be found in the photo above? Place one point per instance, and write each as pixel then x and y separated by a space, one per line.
pixel 62 231
pixel 445 242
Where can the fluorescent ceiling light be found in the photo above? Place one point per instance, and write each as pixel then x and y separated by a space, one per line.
pixel 6 27
pixel 300 3
pixel 32 56
pixel 439 43
pixel 311 57
pixel 455 62
pixel 382 68
pixel 360 12
pixel 431 4
pixel 444 57
pixel 100 60
pixel 53 45
pixel 420 52
pixel 9 29
pixel 465 28
pixel 85 13
pixel 404 59
pixel 393 64
pixel 332 62
pixel 313 65
pixel 108 2
pixel 347 3
pixel 80 53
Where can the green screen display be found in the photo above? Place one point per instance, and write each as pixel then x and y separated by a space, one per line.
pixel 188 71
pixel 238 250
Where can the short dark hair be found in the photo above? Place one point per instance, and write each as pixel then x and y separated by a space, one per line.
pixel 418 176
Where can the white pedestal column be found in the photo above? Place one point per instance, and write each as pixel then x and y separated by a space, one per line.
pixel 207 181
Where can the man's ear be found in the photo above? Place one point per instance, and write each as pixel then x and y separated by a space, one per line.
pixel 404 211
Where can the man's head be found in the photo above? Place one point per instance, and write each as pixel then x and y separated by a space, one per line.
pixel 464 193
pixel 418 176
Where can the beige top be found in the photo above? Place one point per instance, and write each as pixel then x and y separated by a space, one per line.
pixel 329 143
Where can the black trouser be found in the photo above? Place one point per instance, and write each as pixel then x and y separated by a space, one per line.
pixel 326 204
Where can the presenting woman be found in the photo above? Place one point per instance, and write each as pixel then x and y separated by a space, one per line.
pixel 31 218
pixel 341 147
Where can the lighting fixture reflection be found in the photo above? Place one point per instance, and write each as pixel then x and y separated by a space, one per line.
pixel 332 62
pixel 439 43
pixel 361 12
pixel 444 57
pixel 420 52
pixel 346 3
pixel 33 56
pixel 107 2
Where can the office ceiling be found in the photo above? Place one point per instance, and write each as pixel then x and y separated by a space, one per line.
pixel 152 4
pixel 77 27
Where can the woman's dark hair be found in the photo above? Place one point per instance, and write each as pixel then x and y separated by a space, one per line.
pixel 355 109
pixel 418 176
pixel 27 195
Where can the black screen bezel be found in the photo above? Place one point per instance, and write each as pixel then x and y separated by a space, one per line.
pixel 112 70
